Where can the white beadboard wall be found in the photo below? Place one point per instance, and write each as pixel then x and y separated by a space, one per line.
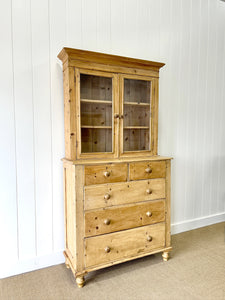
pixel 188 35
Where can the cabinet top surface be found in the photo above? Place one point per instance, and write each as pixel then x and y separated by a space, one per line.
pixel 116 160
pixel 89 56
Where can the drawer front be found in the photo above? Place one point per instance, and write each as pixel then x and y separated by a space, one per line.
pixel 147 170
pixel 111 247
pixel 124 217
pixel 123 193
pixel 105 173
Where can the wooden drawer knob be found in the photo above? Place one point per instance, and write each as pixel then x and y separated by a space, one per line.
pixel 149 191
pixel 107 174
pixel 116 116
pixel 107 249
pixel 107 221
pixel 148 214
pixel 107 197
pixel 149 238
pixel 148 170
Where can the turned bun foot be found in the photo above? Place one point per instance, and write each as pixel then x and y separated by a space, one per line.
pixel 165 256
pixel 67 263
pixel 80 281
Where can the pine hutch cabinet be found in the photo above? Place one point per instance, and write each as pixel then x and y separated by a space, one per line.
pixel 116 186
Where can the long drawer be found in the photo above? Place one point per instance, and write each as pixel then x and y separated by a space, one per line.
pixel 124 217
pixel 147 170
pixel 112 194
pixel 105 173
pixel 110 247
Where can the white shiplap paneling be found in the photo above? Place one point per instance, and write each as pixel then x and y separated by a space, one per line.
pixel 24 123
pixel 220 94
pixel 188 35
pixel 42 125
pixel 74 24
pixel 8 169
pixel 57 35
pixel 103 34
pixel 89 24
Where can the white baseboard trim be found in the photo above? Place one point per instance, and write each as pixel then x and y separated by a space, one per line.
pixel 12 268
pixel 197 223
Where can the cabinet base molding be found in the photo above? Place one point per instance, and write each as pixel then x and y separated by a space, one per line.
pixel 80 280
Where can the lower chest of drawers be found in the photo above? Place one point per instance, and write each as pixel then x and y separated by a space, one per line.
pixel 115 212
pixel 123 244
pixel 124 217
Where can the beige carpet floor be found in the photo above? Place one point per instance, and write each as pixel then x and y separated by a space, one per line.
pixel 196 270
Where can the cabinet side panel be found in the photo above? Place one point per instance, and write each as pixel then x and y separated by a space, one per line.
pixel 70 212
pixel 168 192
pixel 69 113
pixel 79 177
pixel 154 117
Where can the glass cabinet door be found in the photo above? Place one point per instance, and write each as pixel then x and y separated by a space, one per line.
pixel 136 115
pixel 96 111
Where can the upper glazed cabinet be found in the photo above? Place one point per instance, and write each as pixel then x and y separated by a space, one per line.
pixel 111 105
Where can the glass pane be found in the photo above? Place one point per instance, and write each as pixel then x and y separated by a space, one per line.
pixel 136 111
pixel 135 139
pixel 96 113
pixel 95 87
pixel 137 91
pixel 136 115
pixel 96 140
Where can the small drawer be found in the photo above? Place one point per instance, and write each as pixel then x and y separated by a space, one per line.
pixel 119 218
pixel 147 170
pixel 134 242
pixel 105 173
pixel 111 194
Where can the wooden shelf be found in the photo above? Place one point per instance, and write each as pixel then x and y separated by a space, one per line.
pixel 137 103
pixel 96 127
pixel 136 127
pixel 96 101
